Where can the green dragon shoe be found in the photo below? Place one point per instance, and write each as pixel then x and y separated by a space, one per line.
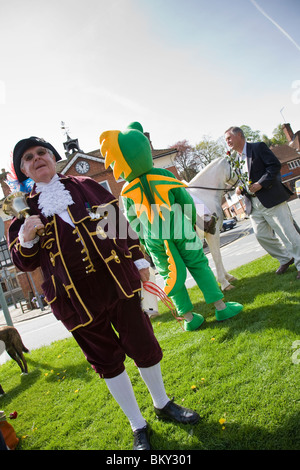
pixel 195 323
pixel 232 309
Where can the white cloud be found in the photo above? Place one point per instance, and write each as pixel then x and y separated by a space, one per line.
pixel 127 103
pixel 275 24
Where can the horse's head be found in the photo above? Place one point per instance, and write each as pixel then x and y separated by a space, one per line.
pixel 218 174
pixel 231 176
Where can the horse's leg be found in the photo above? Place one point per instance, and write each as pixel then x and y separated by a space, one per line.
pixel 223 277
pixel 230 277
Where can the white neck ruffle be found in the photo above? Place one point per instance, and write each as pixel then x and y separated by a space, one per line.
pixel 54 198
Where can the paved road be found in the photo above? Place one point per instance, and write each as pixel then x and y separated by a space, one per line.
pixel 241 248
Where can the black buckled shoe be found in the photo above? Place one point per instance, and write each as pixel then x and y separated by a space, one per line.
pixel 177 413
pixel 141 439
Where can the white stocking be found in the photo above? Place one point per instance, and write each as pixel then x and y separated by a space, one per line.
pixel 121 389
pixel 153 379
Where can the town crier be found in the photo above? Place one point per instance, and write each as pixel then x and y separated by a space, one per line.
pixel 92 278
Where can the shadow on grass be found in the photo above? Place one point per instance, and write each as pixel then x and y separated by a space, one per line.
pixel 234 436
pixel 26 381
pixel 38 368
pixel 278 305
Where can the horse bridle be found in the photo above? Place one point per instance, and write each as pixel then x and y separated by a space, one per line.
pixel 232 188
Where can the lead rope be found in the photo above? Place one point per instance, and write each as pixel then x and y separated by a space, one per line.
pixel 232 188
pixel 156 290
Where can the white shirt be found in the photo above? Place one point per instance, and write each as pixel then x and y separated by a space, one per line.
pixel 243 159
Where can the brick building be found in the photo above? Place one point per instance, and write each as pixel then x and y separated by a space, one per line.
pixel 289 157
pixel 17 285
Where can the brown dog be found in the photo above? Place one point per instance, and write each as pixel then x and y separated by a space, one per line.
pixel 14 346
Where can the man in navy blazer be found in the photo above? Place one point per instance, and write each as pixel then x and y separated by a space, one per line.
pixel 266 200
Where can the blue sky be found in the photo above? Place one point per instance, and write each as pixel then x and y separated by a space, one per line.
pixel 183 68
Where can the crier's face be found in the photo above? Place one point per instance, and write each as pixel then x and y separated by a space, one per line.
pixel 38 164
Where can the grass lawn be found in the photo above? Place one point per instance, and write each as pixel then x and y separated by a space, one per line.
pixel 242 376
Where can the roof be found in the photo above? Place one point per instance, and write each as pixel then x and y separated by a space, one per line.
pixel 163 152
pixel 296 141
pixel 63 165
pixel 285 153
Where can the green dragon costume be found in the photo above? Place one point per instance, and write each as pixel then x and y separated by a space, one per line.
pixel 163 214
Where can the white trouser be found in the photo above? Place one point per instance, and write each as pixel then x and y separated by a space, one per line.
pixel 269 224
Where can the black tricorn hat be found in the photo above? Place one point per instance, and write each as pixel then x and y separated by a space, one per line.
pixel 24 145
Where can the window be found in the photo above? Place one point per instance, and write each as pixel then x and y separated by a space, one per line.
pixel 3 285
pixel 5 259
pixel 294 164
pixel 13 282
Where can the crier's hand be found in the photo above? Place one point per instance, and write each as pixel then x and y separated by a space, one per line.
pixel 32 225
pixel 145 274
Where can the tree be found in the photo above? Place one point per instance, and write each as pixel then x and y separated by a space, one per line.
pixel 207 150
pixel 251 136
pixel 190 160
pixel 185 161
pixel 279 137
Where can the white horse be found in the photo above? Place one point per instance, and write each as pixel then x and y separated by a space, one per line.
pixel 208 187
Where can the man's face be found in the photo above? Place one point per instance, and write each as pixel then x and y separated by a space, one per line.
pixel 235 141
pixel 38 164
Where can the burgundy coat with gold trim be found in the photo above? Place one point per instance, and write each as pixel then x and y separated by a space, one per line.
pixel 95 215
